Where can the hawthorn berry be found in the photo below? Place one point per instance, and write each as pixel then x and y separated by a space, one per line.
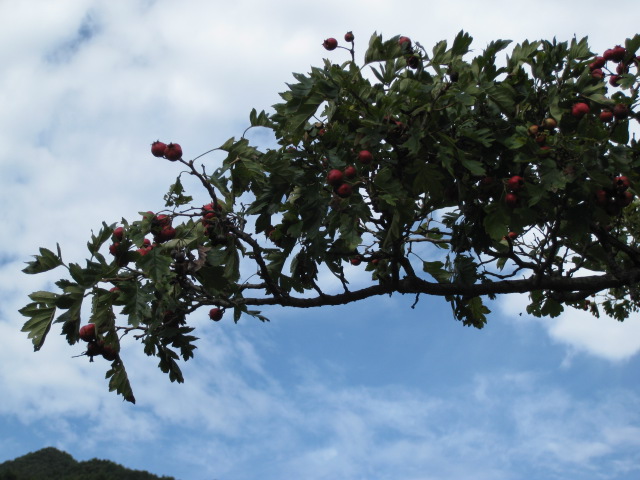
pixel 580 109
pixel 620 111
pixel 515 183
pixel 365 157
pixel 511 199
pixel 215 314
pixel 335 177
pixel 118 233
pixel 330 44
pixel 173 152
pixel 158 148
pixel 344 190
pixel 350 172
pixel 88 332
pixel 348 37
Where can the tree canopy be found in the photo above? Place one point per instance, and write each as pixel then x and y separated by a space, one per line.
pixel 435 172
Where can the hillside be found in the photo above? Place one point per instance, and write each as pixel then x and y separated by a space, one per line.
pixel 52 464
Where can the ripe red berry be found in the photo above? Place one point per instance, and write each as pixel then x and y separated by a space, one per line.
pixel 621 183
pixel 413 62
pixel 365 157
pixel 512 235
pixel 515 183
pixel 602 198
pixel 617 53
pixel 173 152
pixel 350 172
pixel 606 116
pixel 624 198
pixel 113 248
pixel 167 233
pixel 118 233
pixel 215 314
pixel 109 353
pixel 344 190
pixel 88 332
pixel 330 44
pixel 404 42
pixel 597 63
pixel 580 109
pixel 335 177
pixel 158 148
pixel 511 199
pixel 620 111
pixel 348 37
pixel 613 80
pixel 162 220
pixel 598 74
pixel 356 261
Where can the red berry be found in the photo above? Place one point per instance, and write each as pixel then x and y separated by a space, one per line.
pixel 146 242
pixel 617 53
pixel 613 80
pixel 512 235
pixel 511 199
pixel 404 42
pixel 113 248
pixel 158 148
pixel 166 234
pixel 330 44
pixel 88 332
pixel 620 111
pixel 413 62
pixel 597 63
pixel 162 220
pixel 109 353
pixel 215 314
pixel 356 261
pixel 350 172
pixel 335 177
pixel 118 233
pixel 344 190
pixel 580 109
pixel 515 183
pixel 606 116
pixel 621 183
pixel 348 37
pixel 365 157
pixel 173 152
pixel 598 74
pixel 602 198
pixel 608 54
pixel 625 198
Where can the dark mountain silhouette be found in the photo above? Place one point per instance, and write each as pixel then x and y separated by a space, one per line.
pixel 53 464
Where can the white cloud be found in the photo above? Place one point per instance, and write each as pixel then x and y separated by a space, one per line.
pixel 580 331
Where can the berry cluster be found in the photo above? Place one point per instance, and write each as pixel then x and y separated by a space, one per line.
pixel 172 151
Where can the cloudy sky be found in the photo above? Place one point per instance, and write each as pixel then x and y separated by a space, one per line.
pixel 375 390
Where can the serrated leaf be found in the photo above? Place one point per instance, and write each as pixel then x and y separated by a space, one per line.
pixel 41 315
pixel 155 264
pixel 120 381
pixel 47 260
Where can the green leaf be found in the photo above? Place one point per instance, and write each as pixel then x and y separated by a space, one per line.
pixel 47 260
pixel 41 313
pixel 155 264
pixel 120 381
pixel 437 271
pixel 98 240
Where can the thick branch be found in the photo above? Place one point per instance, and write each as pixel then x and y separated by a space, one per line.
pixel 414 285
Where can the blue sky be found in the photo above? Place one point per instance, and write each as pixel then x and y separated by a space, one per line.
pixel 374 390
